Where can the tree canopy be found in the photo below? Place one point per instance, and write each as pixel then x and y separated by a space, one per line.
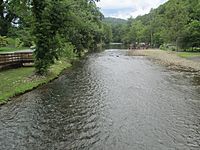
pixel 52 25
pixel 176 23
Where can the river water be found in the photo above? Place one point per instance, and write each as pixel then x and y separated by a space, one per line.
pixel 108 101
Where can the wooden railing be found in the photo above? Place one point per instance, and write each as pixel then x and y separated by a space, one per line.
pixel 15 58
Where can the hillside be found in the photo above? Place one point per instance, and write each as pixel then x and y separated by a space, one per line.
pixel 114 21
pixel 177 22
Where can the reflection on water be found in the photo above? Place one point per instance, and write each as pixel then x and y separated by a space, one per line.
pixel 108 101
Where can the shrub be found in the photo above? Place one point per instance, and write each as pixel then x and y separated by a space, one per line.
pixel 68 51
pixel 25 38
pixel 3 41
pixel 11 42
pixel 18 43
pixel 170 47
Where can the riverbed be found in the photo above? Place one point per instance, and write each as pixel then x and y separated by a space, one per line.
pixel 110 101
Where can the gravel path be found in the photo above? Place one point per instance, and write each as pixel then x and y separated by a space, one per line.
pixel 169 59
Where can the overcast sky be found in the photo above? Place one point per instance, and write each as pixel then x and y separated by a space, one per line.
pixel 127 8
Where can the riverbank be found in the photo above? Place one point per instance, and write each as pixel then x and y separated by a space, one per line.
pixel 188 55
pixel 18 81
pixel 168 58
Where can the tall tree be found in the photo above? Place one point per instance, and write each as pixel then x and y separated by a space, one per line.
pixel 48 20
pixel 78 22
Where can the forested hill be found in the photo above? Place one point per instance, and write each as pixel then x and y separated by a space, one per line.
pixel 114 21
pixel 117 26
pixel 177 22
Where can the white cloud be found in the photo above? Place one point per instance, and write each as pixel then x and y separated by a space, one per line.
pixel 117 4
pixel 127 8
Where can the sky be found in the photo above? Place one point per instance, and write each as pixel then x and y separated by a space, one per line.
pixel 127 8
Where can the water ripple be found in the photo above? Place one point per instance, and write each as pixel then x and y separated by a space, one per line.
pixel 108 101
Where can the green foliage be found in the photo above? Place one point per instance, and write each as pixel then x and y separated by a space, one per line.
pixel 11 42
pixel 168 47
pixel 18 43
pixel 52 25
pixel 3 41
pixel 118 32
pixel 66 49
pixel 191 35
pixel 15 43
pixel 176 22
pixel 14 12
pixel 188 54
pixel 118 28
pixel 114 21
pixel 24 37
pixel 48 20
pixel 58 23
pixel 107 33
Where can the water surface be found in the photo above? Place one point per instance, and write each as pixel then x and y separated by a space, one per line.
pixel 108 101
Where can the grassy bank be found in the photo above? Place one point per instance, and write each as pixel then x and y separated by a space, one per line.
pixel 169 59
pixel 11 49
pixel 188 54
pixel 17 81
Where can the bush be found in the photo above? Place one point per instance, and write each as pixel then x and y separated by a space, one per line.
pixel 24 39
pixel 18 43
pixel 11 42
pixel 170 47
pixel 3 41
pixel 68 51
pixel 15 43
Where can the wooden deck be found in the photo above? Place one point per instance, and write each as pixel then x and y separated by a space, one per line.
pixel 16 59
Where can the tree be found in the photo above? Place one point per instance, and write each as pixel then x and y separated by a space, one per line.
pixel 107 33
pixel 13 13
pixel 176 22
pixel 78 22
pixel 48 20
pixel 191 36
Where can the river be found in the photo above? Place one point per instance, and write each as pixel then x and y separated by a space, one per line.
pixel 107 101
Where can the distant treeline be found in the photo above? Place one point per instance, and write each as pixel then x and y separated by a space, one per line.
pixel 175 24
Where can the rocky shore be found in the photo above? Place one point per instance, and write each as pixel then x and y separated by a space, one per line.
pixel 169 59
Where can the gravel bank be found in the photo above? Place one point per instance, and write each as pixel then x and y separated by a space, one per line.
pixel 169 59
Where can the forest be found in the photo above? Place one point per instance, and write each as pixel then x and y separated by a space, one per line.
pixel 174 25
pixel 56 28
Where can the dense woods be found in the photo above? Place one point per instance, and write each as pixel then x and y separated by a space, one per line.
pixel 174 25
pixel 57 28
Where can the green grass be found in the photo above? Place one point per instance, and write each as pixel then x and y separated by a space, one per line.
pixel 18 81
pixel 11 49
pixel 188 54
